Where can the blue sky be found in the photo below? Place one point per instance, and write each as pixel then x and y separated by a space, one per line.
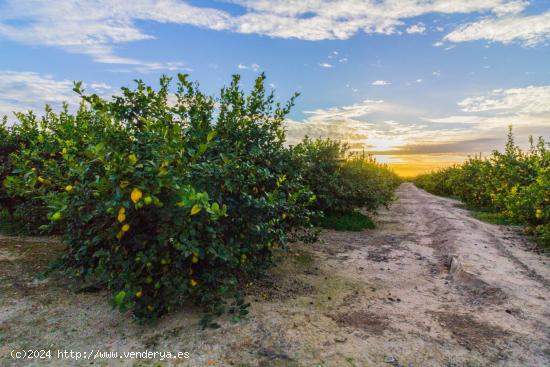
pixel 420 83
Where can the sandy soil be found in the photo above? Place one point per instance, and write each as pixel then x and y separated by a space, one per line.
pixel 431 286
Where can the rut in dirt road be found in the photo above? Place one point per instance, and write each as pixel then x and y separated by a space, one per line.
pixel 479 282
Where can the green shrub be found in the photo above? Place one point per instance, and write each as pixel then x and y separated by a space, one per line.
pixel 367 184
pixel 165 203
pixel 342 181
pixel 22 214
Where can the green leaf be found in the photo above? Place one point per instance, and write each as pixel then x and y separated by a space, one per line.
pixel 99 147
pixel 202 149
pixel 211 135
pixel 119 298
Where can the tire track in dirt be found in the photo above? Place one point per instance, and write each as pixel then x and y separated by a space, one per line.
pixel 492 311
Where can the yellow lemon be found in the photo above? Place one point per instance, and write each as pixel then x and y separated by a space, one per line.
pixel 132 158
pixel 56 216
pixel 139 294
pixel 150 308
pixel 69 188
pixel 121 217
pixel 538 214
pixel 283 216
pixel 193 283
pixel 163 171
pixel 195 259
pixel 41 179
pixel 119 235
pixel 125 228
pixel 243 258
pixel 136 195
pixel 195 209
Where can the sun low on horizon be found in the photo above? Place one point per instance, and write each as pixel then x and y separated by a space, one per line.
pixel 419 85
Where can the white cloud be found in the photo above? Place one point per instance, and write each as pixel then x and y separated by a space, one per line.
pixel 92 27
pixel 23 91
pixel 436 73
pixel 527 30
pixel 253 67
pixel 416 28
pixel 342 19
pixel 357 110
pixel 530 100
pixel 325 65
pixel 380 82
pixel 419 80
pixel 370 124
pixel 389 128
pixel 454 119
pixel 367 124
pixel 527 109
pixel 96 27
pixel 341 123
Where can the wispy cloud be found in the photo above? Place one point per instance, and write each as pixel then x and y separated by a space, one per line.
pixel 529 100
pixel 343 19
pixel 528 31
pixel 95 28
pixel 380 82
pixel 416 28
pixel 367 124
pixel 253 67
pixel 341 123
pixel 23 91
pixel 325 65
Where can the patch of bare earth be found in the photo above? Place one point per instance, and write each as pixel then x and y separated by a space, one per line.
pixel 431 286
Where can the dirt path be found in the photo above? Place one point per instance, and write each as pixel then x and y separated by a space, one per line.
pixel 430 287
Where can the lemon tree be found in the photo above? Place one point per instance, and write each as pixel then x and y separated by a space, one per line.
pixel 163 202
